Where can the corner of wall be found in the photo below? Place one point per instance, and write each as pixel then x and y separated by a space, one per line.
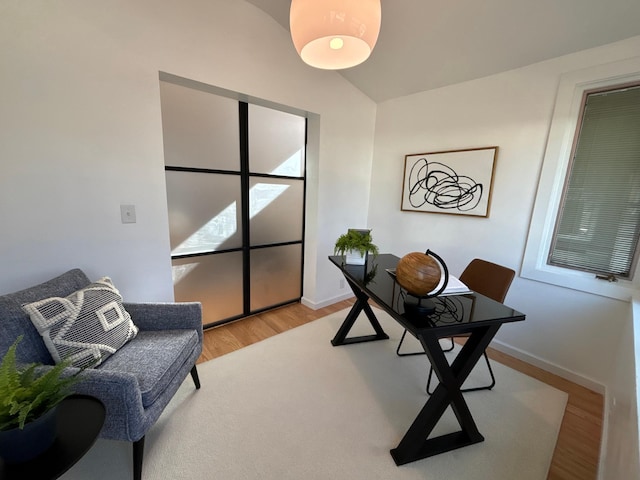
pixel 620 448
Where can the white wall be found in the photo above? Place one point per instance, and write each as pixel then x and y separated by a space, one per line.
pixel 621 447
pixel 80 133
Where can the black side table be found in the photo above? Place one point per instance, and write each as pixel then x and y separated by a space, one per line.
pixel 80 419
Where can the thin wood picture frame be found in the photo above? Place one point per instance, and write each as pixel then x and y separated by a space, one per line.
pixel 457 182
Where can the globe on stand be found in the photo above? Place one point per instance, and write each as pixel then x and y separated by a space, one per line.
pixel 419 274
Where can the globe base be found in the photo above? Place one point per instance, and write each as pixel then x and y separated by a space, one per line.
pixel 418 306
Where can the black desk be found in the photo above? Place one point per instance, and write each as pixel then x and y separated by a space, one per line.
pixel 80 419
pixel 473 314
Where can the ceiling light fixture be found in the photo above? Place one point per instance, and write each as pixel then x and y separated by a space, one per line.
pixel 334 34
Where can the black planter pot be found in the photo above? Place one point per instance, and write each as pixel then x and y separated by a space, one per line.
pixel 37 436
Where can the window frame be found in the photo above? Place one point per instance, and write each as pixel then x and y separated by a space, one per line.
pixel 555 168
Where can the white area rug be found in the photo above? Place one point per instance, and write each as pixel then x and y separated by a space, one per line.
pixel 295 407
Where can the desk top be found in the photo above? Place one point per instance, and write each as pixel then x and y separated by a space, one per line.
pixel 454 313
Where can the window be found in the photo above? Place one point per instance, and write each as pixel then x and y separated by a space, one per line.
pixel 599 218
pixel 567 223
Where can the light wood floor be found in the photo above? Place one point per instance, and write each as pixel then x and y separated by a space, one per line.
pixel 577 450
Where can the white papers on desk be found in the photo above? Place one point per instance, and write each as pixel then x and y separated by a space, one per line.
pixel 454 285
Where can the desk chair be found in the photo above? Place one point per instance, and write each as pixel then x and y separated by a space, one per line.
pixel 488 279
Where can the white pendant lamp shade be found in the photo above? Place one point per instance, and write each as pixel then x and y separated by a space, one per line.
pixel 334 34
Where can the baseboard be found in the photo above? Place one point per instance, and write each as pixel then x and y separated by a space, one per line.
pixel 325 303
pixel 604 441
pixel 549 367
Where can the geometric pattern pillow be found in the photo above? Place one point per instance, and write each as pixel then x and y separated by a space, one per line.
pixel 87 326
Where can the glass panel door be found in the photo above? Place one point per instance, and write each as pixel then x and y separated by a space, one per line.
pixel 276 142
pixel 236 194
pixel 204 212
pixel 275 275
pixel 276 205
pixel 276 210
pixel 200 130
pixel 213 280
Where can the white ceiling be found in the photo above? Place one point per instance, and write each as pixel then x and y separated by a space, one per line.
pixel 426 44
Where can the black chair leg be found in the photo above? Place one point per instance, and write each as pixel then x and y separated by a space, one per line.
pixel 451 347
pixel 420 352
pixel 474 389
pixel 138 453
pixel 138 447
pixel 486 387
pixel 194 375
pixel 406 354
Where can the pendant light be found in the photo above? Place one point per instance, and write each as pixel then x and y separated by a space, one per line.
pixel 334 34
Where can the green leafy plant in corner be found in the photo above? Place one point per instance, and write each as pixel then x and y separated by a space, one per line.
pixel 355 241
pixel 25 395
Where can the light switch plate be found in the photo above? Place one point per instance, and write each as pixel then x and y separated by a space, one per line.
pixel 128 213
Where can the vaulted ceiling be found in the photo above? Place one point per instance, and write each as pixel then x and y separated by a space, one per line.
pixel 426 44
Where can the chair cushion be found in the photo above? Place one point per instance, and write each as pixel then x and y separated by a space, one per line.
pixel 14 321
pixel 85 327
pixel 154 357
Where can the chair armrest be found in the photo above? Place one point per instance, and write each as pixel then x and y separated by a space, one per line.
pixel 120 394
pixel 166 316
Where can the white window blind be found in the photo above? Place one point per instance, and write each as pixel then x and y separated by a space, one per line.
pixel 599 217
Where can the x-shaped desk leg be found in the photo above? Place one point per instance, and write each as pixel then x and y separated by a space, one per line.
pixel 416 443
pixel 362 303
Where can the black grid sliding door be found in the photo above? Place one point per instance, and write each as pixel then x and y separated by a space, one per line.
pixel 235 176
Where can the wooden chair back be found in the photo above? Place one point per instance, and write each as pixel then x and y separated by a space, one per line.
pixel 488 279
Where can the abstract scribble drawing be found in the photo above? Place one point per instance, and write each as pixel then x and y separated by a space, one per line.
pixel 439 185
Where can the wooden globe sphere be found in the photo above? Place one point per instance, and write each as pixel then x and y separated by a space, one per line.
pixel 418 273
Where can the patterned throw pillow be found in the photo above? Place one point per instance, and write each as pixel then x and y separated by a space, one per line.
pixel 87 326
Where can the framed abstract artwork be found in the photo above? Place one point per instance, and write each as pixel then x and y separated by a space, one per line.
pixel 455 181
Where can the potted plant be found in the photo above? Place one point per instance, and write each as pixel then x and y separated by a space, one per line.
pixel 28 401
pixel 354 246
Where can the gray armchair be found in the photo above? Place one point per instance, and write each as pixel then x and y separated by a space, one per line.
pixel 135 383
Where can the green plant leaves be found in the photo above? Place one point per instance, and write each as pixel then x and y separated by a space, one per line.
pixel 355 240
pixel 24 395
